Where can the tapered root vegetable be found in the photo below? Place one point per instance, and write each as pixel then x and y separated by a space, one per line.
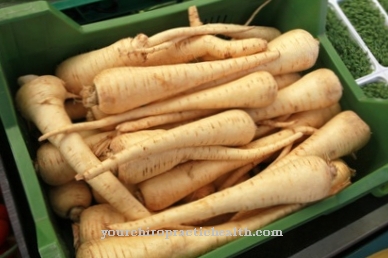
pixel 55 170
pixel 141 169
pixel 179 246
pixel 193 48
pixel 303 180
pixel 163 119
pixel 51 167
pixel 194 19
pixel 298 52
pixel 282 80
pixel 80 70
pixel 343 178
pixel 42 99
pixel 165 189
pixel 277 64
pixel 342 135
pixel 257 89
pixel 262 32
pixel 322 87
pixel 185 32
pixel 254 90
pixel 112 88
pixel 70 200
pixel 94 219
pixel 230 128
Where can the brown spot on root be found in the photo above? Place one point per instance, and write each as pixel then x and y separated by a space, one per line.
pixel 89 96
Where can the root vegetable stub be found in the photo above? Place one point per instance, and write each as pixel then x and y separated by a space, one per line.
pixel 55 170
pixel 70 200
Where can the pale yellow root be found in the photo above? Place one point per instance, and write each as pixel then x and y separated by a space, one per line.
pixel 343 177
pixel 42 99
pixel 94 113
pixel 55 170
pixel 194 19
pixel 70 200
pixel 298 49
pixel 321 93
pixel 185 32
pixel 194 49
pixel 163 119
pixel 342 135
pixel 94 219
pixel 262 32
pixel 153 165
pixel 219 129
pixel 236 198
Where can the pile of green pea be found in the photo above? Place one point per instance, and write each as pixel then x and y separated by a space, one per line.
pixel 369 23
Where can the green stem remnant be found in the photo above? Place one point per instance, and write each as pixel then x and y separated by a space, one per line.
pixel 369 22
pixel 378 90
pixel 353 56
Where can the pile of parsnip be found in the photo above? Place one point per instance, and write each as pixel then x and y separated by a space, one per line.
pixel 188 129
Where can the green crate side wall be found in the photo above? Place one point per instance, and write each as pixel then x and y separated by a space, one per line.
pixel 373 112
pixel 90 34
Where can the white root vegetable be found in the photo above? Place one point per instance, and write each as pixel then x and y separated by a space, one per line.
pixel 229 128
pixel 141 169
pixel 94 219
pixel 69 200
pixel 80 70
pixel 302 180
pixel 164 119
pixel 158 192
pixel 42 99
pixel 112 88
pixel 322 86
pixel 342 135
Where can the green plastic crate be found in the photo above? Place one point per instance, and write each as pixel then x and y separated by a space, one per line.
pixel 35 37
